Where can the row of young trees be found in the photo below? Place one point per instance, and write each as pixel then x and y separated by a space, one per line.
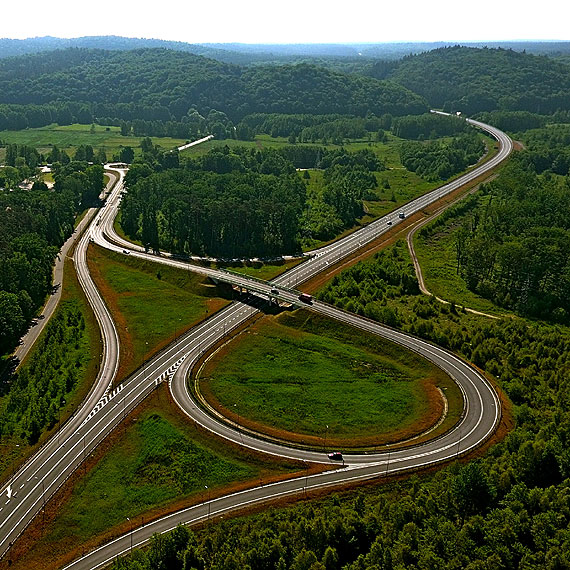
pixel 15 117
pixel 428 126
pixel 313 128
pixel 38 389
pixel 303 128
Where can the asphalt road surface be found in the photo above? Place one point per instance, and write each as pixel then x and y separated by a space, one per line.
pixel 32 485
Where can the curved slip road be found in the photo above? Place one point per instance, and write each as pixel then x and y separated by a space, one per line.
pixel 40 477
pixel 480 418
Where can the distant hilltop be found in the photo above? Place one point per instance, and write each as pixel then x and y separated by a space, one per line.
pixel 244 54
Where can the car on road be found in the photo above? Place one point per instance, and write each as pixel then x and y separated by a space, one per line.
pixel 401 215
pixel 335 455
pixel 274 292
pixel 126 252
pixel 389 223
pixel 306 298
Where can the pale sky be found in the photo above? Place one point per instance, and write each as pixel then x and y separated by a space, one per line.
pixel 291 21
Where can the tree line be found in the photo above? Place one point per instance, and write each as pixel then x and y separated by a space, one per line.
pixel 35 223
pixel 242 202
pixel 428 126
pixel 547 150
pixel 438 160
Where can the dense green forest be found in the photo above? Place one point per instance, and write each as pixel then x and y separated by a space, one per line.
pixel 548 149
pixel 510 509
pixel 512 246
pixel 160 92
pixel 34 226
pixel 169 90
pixel 244 202
pixel 472 80
pixel 440 160
pixel 79 85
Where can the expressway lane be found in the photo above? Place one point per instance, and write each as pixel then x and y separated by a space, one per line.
pixel 34 483
pixel 104 411
pixel 480 417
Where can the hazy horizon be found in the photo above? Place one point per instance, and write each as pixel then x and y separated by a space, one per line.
pixel 295 22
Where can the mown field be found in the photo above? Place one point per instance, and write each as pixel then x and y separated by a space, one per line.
pixel 69 137
pixel 313 380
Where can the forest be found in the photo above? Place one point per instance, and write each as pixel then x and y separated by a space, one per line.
pixel 243 202
pixel 513 247
pixel 473 80
pixel 34 225
pixel 438 160
pixel 80 85
pixel 161 92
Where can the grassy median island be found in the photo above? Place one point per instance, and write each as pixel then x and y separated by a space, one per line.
pixel 151 303
pixel 294 375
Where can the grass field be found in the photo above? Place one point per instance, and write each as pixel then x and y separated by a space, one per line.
pixel 438 259
pixel 151 303
pixel 70 137
pixel 299 374
pixel 157 463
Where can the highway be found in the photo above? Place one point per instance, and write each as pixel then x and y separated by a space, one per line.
pixel 41 320
pixel 33 484
pixel 103 411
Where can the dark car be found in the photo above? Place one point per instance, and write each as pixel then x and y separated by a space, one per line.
pixel 336 455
